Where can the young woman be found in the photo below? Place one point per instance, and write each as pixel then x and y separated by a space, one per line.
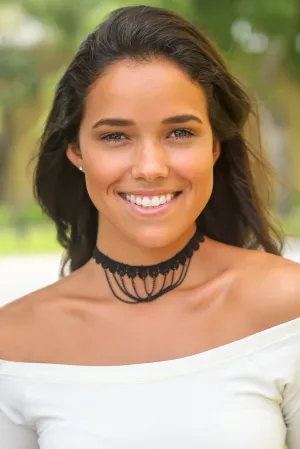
pixel 177 323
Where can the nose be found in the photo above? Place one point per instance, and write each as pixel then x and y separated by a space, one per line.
pixel 150 162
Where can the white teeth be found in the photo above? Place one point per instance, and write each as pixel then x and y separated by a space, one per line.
pixel 155 201
pixel 146 201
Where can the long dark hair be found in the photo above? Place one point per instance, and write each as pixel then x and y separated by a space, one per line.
pixel 235 213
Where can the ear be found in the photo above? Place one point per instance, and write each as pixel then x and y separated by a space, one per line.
pixel 74 155
pixel 216 150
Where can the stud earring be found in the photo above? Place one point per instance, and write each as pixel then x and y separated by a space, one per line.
pixel 80 167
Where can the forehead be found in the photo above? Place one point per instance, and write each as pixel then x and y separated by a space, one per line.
pixel 157 87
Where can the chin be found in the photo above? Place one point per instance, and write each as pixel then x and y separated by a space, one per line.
pixel 156 237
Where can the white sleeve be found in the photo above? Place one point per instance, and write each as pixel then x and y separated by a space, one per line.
pixel 15 436
pixel 291 410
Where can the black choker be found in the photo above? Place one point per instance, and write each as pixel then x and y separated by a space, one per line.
pixel 120 270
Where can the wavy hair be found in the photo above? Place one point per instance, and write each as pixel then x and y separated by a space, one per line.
pixel 235 213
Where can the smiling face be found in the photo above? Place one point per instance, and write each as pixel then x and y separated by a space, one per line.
pixel 146 147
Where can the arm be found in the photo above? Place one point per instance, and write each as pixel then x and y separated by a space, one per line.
pixel 15 436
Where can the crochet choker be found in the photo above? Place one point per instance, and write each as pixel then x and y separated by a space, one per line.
pixel 122 277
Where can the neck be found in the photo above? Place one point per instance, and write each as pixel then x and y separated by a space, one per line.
pixel 202 267
pixel 111 243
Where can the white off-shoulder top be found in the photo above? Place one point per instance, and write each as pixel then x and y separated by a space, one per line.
pixel 242 395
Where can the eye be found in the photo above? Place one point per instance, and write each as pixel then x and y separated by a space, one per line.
pixel 182 133
pixel 113 137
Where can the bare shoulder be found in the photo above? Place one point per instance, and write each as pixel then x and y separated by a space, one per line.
pixel 269 288
pixel 21 323
pixel 33 326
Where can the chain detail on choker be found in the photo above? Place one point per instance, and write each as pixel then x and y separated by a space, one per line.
pixel 178 264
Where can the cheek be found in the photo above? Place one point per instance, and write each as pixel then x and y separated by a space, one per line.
pixel 102 171
pixel 202 184
pixel 196 166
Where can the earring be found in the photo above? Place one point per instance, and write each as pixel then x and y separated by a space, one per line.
pixel 80 167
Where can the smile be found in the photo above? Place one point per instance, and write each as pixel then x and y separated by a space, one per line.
pixel 149 201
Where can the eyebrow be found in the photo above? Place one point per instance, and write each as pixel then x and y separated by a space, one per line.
pixel 169 120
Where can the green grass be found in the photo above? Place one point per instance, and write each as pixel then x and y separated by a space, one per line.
pixel 38 239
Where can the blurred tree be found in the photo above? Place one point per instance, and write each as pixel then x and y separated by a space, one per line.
pixel 68 20
pixel 274 19
pixel 18 85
